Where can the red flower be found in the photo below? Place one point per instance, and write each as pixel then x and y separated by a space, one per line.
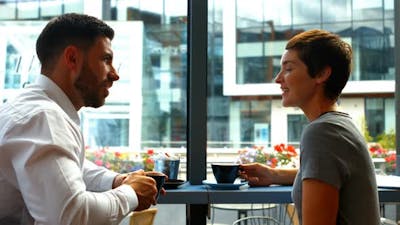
pixel 285 153
pixel 278 148
pixel 118 154
pixel 150 151
pixel 390 158
pixel 377 151
pixel 274 162
pixel 149 161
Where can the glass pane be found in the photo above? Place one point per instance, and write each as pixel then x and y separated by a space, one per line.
pixel 145 114
pixel 389 9
pixel 19 57
pixel 367 10
pixel 159 111
pixel 372 50
pixel 73 6
pixel 306 13
pixel 278 12
pixel 336 10
pixel 28 10
pixel 7 10
pixel 50 8
pixel 296 123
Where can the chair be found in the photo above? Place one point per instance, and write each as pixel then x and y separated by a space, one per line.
pixel 144 217
pixel 256 220
pixel 292 214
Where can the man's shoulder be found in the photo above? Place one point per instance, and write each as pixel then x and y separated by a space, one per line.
pixel 27 104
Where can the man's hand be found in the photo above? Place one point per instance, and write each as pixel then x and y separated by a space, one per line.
pixel 162 191
pixel 145 188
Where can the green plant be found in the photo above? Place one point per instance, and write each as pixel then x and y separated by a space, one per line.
pixel 387 140
pixel 365 131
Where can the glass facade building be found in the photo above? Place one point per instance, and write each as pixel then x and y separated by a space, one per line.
pixel 245 42
pixel 253 38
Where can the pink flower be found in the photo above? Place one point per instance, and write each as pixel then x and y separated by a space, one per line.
pixel 98 162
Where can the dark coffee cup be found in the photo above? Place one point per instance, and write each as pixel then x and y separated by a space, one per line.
pixel 160 179
pixel 225 173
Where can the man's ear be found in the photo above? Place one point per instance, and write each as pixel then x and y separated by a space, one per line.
pixel 324 75
pixel 72 58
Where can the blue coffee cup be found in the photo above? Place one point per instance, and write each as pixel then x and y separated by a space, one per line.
pixel 169 167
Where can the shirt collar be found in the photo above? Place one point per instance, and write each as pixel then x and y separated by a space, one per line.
pixel 57 95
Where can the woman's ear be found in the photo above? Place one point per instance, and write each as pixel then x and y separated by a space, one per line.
pixel 324 75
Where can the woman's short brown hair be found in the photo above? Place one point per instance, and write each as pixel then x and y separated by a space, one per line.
pixel 319 49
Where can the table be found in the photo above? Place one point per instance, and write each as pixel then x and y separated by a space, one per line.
pixel 199 195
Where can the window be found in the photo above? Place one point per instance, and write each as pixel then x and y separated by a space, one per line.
pixel 296 123
pixel 248 111
pixel 379 115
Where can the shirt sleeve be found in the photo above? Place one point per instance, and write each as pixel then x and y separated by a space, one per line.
pixel 50 175
pixel 323 155
pixel 97 178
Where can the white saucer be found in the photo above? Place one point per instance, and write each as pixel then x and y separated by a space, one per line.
pixel 223 186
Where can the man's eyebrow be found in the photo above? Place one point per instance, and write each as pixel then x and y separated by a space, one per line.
pixel 109 55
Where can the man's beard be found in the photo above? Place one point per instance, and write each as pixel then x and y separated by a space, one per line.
pixel 89 92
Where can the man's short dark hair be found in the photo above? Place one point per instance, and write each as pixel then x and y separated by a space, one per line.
pixel 69 29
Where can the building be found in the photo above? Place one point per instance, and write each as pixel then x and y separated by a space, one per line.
pixel 148 108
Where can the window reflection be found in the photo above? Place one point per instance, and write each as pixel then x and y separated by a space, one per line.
pixel 147 106
pixel 296 123
pixel 253 39
pixel 367 10
pixel 336 10
pixel 306 13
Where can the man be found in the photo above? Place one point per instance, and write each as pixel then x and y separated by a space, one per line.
pixel 44 178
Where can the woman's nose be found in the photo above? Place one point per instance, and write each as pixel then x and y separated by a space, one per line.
pixel 277 78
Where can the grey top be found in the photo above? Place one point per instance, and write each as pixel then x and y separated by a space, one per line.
pixel 333 150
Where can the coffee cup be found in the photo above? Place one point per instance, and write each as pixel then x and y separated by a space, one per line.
pixel 160 179
pixel 169 167
pixel 225 172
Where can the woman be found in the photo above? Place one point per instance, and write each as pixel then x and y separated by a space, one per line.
pixel 335 183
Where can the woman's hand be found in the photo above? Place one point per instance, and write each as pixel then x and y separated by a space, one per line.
pixel 256 174
pixel 262 175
